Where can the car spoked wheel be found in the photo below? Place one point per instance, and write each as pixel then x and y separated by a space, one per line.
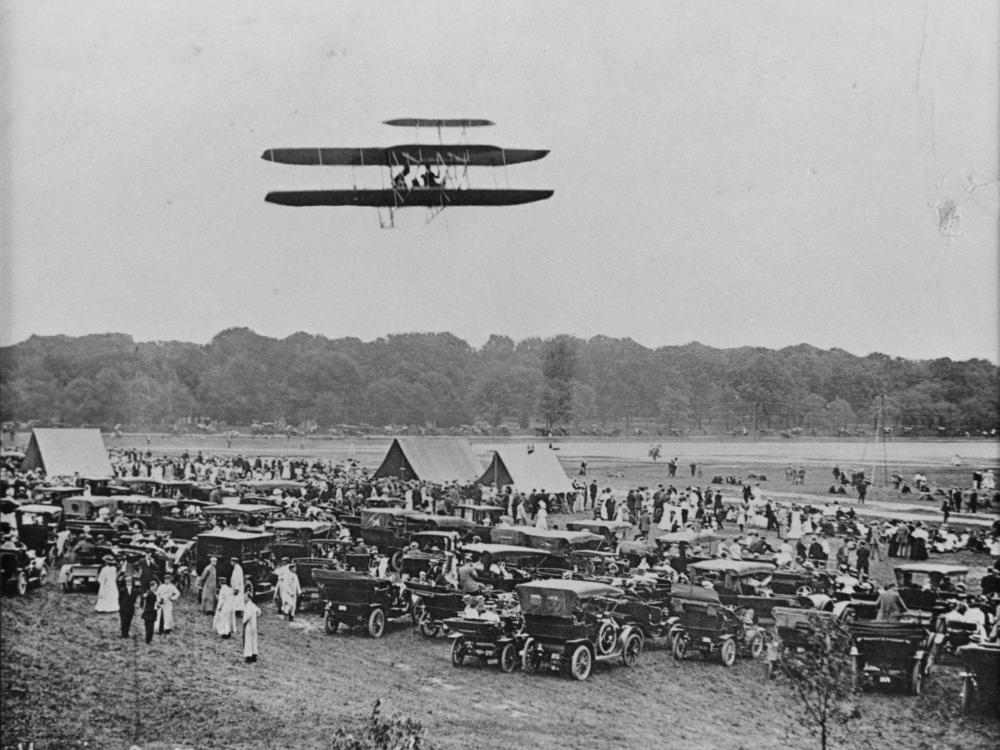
pixel 581 662
pixel 457 652
pixel 396 561
pixel 606 636
pixel 417 613
pixel 530 660
pixel 43 575
pixel 330 623
pixel 508 658
pixel 427 627
pixel 632 650
pixel 916 679
pixel 22 583
pixel 727 652
pixel 376 623
pixel 681 641
pixel 756 647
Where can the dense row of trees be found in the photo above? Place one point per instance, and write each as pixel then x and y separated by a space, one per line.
pixel 438 379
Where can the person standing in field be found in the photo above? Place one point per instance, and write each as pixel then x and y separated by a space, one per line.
pixel 236 583
pixel 128 595
pixel 150 609
pixel 290 590
pixel 251 614
pixel 224 613
pixel 207 584
pixel 107 579
pixel 166 595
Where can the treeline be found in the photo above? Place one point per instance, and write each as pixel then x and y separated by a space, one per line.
pixel 437 379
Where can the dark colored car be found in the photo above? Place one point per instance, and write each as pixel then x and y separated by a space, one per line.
pixel 892 654
pixel 252 548
pixel 742 584
pixel 356 599
pixel 20 568
pixel 705 624
pixel 182 519
pixel 292 537
pixel 390 529
pixel 612 531
pixel 569 626
pixel 37 526
pixel 500 639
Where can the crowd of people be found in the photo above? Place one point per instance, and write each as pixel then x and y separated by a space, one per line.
pixel 790 533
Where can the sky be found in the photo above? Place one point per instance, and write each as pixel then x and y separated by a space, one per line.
pixel 734 173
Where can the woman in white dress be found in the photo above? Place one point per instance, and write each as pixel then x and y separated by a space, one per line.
pixel 795 524
pixel 166 594
pixel 250 614
pixel 224 612
pixel 107 594
pixel 542 516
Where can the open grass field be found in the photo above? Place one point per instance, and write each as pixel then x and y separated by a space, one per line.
pixel 69 681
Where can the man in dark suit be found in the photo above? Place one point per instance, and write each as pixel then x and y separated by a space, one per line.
pixel 128 595
pixel 149 609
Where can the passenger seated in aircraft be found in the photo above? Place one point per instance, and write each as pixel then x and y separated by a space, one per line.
pixel 431 179
pixel 399 180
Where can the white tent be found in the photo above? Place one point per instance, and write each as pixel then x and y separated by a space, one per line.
pixel 538 469
pixel 63 453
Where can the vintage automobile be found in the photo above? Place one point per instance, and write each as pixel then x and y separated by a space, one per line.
pixel 356 599
pixel 37 526
pixel 390 529
pixel 430 549
pixel 795 626
pixel 487 639
pixel 83 567
pixel 743 584
pixel 569 627
pixel 249 517
pixel 557 541
pixel 80 512
pixel 102 486
pixel 802 581
pixel 323 553
pixel 613 532
pixel 637 550
pixel 705 624
pixel 21 568
pixel 182 519
pixel 173 489
pixel 892 653
pixel 292 537
pixel 263 487
pixel 252 548
pixel 433 605
pixel 648 608
pixel 682 547
pixel 980 682
pixel 592 563
pixel 55 494
pixel 927 588
pixel 484 518
pixel 517 564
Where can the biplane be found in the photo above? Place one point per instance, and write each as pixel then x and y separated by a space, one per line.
pixel 431 176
